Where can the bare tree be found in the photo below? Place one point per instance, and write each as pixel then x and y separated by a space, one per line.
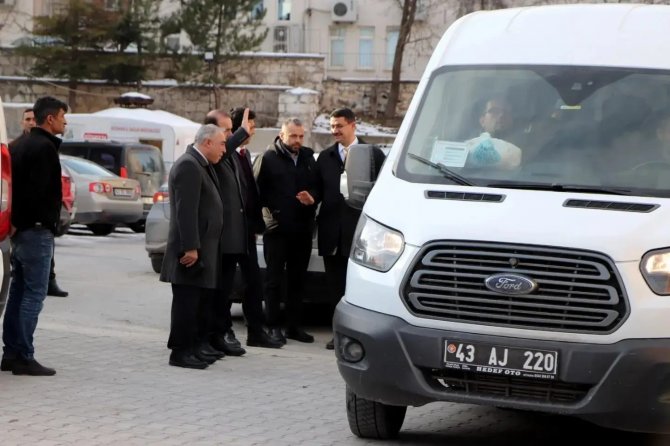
pixel 406 23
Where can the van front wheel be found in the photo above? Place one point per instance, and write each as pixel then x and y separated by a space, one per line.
pixel 370 419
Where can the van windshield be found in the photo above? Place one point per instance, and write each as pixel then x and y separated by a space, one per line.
pixel 545 127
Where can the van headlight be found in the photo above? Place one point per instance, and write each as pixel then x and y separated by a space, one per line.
pixel 376 246
pixel 655 268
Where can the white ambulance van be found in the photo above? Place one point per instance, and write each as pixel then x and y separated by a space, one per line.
pixel 5 210
pixel 515 249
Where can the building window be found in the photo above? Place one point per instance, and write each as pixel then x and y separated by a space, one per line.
pixel 259 11
pixel 283 9
pixel 365 47
pixel 391 43
pixel 337 47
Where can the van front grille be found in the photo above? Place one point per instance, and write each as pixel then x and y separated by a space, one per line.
pixel 480 384
pixel 577 291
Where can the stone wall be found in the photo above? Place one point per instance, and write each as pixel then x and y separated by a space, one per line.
pixel 256 80
pixel 366 98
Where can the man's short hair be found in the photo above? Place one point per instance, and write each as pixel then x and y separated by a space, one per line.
pixel 214 115
pixel 237 114
pixel 345 113
pixel 47 106
pixel 207 131
pixel 28 110
pixel 294 121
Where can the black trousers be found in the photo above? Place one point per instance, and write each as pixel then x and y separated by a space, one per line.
pixel 252 303
pixel 285 254
pixel 190 319
pixel 336 277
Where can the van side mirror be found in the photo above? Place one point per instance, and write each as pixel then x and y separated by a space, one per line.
pixel 364 161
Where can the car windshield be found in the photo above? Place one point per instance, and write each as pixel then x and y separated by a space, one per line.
pixel 581 129
pixel 84 167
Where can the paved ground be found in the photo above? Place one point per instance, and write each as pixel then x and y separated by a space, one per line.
pixel 107 342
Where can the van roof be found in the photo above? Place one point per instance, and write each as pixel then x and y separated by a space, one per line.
pixel 616 35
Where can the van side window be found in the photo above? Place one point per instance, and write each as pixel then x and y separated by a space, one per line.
pixel 107 158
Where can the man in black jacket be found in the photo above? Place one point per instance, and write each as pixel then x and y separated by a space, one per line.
pixel 242 221
pixel 286 173
pixel 27 123
pixel 36 202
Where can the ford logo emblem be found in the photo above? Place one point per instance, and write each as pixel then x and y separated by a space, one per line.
pixel 510 284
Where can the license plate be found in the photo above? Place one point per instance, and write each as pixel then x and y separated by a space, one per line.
pixel 118 192
pixel 148 200
pixel 500 360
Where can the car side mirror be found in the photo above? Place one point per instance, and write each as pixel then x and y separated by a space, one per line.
pixel 364 161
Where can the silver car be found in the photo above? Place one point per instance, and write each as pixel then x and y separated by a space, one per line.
pixel 102 199
pixel 156 233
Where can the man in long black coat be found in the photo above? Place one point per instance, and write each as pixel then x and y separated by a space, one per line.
pixel 193 255
pixel 238 245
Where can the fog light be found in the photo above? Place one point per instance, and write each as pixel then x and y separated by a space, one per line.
pixel 350 349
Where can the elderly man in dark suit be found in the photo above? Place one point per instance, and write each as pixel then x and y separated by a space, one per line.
pixel 193 254
pixel 336 221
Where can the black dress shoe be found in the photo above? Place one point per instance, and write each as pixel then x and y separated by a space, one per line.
pixel 227 345
pixel 231 339
pixel 186 360
pixel 276 335
pixel 55 290
pixel 330 345
pixel 7 364
pixel 299 335
pixel 31 367
pixel 259 338
pixel 206 349
pixel 204 358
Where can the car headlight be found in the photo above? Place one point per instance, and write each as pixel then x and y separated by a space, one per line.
pixel 376 246
pixel 655 269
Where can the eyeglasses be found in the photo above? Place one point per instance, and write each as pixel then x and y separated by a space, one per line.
pixel 498 110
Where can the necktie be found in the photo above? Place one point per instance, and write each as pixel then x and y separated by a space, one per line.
pixel 243 152
pixel 345 151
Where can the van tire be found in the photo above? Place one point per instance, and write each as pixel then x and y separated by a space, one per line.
pixel 100 229
pixel 156 263
pixel 370 419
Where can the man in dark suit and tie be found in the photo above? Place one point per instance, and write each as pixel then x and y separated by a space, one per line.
pixel 336 220
pixel 193 255
pixel 242 217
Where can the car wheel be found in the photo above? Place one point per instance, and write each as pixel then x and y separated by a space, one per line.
pixel 137 226
pixel 157 263
pixel 370 419
pixel 100 228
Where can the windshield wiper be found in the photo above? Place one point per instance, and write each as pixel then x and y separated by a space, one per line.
pixel 453 176
pixel 564 188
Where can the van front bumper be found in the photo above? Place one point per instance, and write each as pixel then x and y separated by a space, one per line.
pixel 625 385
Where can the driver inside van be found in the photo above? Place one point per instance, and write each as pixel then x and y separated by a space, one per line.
pixel 491 148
